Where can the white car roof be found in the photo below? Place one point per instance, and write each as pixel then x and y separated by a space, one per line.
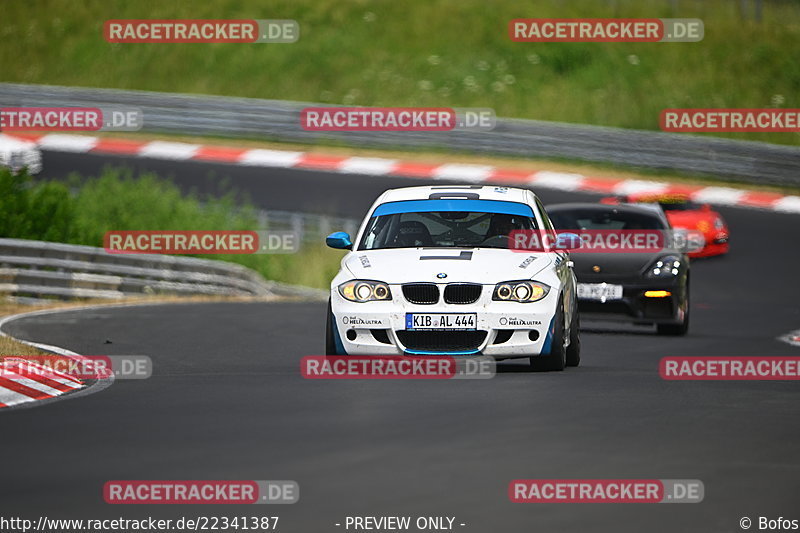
pixel 485 192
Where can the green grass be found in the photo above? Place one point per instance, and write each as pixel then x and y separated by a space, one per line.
pixel 83 210
pixel 427 53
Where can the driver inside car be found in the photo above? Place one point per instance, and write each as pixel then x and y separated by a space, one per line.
pixel 501 227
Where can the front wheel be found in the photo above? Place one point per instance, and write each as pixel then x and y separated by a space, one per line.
pixel 574 348
pixel 677 329
pixel 674 329
pixel 330 341
pixel 557 358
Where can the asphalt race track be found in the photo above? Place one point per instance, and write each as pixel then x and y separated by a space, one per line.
pixel 226 401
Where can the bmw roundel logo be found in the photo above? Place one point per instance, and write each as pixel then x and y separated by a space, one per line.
pixel 441 275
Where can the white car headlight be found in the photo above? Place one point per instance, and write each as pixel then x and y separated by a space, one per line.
pixel 665 267
pixel 520 291
pixel 364 290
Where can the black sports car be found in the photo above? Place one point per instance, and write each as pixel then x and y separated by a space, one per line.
pixel 643 287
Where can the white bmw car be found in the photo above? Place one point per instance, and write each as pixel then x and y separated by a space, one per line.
pixel 431 272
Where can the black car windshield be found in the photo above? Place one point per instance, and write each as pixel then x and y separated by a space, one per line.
pixel 679 206
pixel 604 219
pixel 446 229
pixel 669 202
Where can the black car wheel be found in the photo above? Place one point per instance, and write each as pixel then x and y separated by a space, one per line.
pixel 330 343
pixel 677 329
pixel 557 358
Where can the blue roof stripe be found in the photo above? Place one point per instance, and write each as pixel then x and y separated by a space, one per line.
pixel 435 206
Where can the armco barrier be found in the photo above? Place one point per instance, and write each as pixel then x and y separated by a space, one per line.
pixel 37 269
pixel 753 162
pixel 309 228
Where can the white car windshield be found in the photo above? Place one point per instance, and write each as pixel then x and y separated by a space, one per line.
pixel 444 229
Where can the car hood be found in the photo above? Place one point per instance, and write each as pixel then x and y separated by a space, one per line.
pixel 481 265
pixel 589 265
pixel 702 220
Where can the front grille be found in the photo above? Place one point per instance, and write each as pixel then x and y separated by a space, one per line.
pixel 462 293
pixel 421 293
pixel 441 341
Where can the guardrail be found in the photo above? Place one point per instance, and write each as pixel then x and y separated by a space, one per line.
pixel 35 269
pixel 754 162
pixel 309 228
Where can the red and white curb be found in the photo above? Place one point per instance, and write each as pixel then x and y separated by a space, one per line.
pixel 374 166
pixel 23 381
pixel 25 384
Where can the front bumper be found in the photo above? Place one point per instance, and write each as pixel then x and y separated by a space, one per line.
pixel 635 306
pixel 503 329
pixel 717 242
pixel 712 248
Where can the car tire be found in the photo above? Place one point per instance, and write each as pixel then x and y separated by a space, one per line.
pixel 574 348
pixel 674 329
pixel 330 341
pixel 677 329
pixel 556 360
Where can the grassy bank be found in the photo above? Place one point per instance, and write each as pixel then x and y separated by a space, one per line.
pixel 82 211
pixel 428 53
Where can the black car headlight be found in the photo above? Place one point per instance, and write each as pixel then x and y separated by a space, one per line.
pixel 364 290
pixel 520 291
pixel 667 266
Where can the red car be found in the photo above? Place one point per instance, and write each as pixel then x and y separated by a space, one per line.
pixel 685 214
